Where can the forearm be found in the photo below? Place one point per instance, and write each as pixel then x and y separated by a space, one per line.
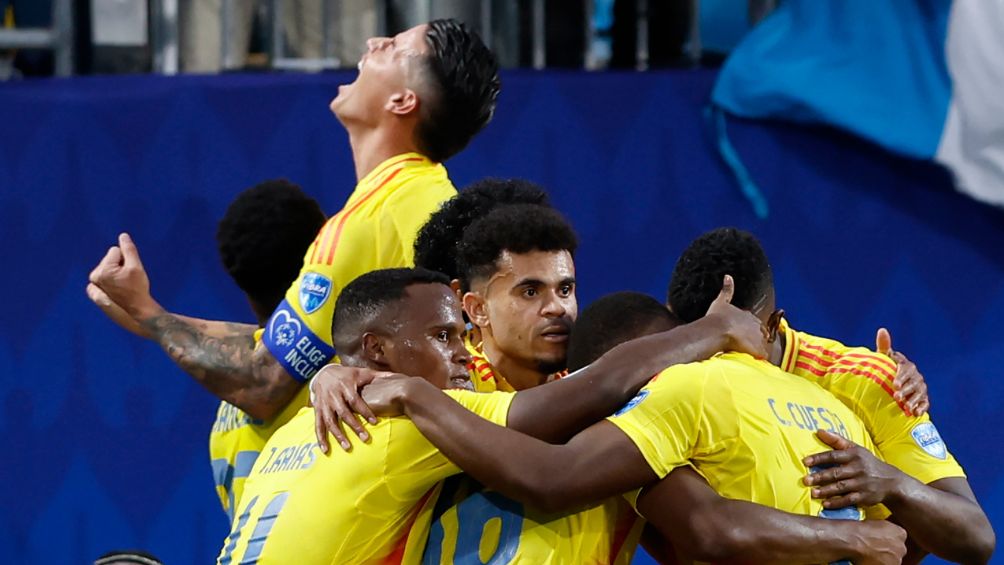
pixel 477 445
pixel 947 523
pixel 708 527
pixel 221 356
pixel 554 412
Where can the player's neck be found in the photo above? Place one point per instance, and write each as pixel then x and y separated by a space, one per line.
pixel 519 377
pixel 776 354
pixel 370 147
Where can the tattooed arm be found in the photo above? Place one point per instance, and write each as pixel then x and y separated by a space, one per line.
pixel 221 356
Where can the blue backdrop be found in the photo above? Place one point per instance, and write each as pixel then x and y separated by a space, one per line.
pixel 104 441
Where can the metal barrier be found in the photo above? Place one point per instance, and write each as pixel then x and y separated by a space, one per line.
pixel 58 38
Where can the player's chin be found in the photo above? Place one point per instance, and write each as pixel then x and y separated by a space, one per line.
pixel 552 363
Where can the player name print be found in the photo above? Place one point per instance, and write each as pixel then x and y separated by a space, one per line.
pixel 805 417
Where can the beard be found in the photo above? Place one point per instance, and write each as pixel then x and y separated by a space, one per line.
pixel 550 366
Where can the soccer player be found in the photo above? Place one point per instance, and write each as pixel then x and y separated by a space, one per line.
pixel 435 250
pixel 717 416
pixel 419 99
pixel 261 240
pixel 920 481
pixel 302 506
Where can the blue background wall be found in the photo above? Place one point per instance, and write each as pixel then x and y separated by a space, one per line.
pixel 104 440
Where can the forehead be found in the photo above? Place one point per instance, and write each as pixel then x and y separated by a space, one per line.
pixel 546 266
pixel 413 39
pixel 429 305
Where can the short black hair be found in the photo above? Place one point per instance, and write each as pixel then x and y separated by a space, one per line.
pixel 697 277
pixel 264 235
pixel 465 76
pixel 516 228
pixel 366 297
pixel 612 320
pixel 436 244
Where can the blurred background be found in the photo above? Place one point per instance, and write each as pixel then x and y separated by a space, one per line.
pixel 863 143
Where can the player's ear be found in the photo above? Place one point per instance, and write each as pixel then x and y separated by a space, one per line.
pixel 474 306
pixel 455 287
pixel 774 324
pixel 403 102
pixel 375 349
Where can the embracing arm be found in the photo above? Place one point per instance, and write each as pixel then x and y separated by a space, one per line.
pixel 942 517
pixel 221 356
pixel 708 527
pixel 599 462
pixel 555 411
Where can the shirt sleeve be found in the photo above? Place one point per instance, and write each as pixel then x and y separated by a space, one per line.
pixel 665 418
pixel 415 463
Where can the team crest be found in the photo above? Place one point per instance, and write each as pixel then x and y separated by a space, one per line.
pixel 632 403
pixel 314 291
pixel 284 329
pixel 928 438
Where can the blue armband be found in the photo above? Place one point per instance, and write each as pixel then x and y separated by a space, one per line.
pixel 293 345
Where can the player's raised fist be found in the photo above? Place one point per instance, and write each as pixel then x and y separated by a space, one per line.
pixel 121 278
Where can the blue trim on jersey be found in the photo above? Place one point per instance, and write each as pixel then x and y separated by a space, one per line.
pixel 294 346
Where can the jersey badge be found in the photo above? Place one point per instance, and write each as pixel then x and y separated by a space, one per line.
pixel 632 403
pixel 314 291
pixel 928 438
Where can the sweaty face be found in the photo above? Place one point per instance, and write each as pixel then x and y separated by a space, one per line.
pixel 427 338
pixel 388 67
pixel 530 304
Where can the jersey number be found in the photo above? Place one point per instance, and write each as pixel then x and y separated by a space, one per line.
pixel 261 530
pixel 473 514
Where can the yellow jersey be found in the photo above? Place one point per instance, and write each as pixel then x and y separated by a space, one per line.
pixel 862 380
pixel 302 506
pixel 484 377
pixel 470 525
pixel 744 424
pixel 376 229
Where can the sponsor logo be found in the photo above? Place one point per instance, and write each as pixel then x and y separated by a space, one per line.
pixel 632 403
pixel 314 291
pixel 284 328
pixel 928 438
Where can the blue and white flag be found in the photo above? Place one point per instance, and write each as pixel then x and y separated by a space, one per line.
pixel 923 78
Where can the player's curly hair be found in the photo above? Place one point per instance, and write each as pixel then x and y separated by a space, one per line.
pixel 517 228
pixel 697 277
pixel 264 235
pixel 436 244
pixel 366 297
pixel 612 320
pixel 464 74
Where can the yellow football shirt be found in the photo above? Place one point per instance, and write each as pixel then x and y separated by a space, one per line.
pixel 862 380
pixel 469 525
pixel 744 424
pixel 301 506
pixel 376 229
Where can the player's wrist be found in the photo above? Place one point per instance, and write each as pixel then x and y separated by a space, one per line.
pixel 901 487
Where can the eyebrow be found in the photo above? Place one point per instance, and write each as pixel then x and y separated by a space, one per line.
pixel 538 282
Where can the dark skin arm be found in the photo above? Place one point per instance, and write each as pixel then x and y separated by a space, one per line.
pixel 705 526
pixel 942 518
pixel 555 411
pixel 221 356
pixel 599 462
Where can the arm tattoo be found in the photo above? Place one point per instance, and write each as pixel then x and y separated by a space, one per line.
pixel 217 354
